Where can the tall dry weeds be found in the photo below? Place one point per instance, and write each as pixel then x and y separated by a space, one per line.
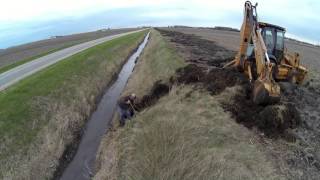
pixel 61 116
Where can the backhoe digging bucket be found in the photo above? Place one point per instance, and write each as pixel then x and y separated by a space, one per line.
pixel 265 92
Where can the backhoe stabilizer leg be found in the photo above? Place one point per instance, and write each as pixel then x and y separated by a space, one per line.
pixel 229 64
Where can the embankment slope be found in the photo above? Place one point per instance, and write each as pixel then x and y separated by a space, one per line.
pixel 186 134
pixel 45 112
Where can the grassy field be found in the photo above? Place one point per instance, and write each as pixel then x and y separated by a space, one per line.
pixel 186 135
pixel 40 115
pixel 18 63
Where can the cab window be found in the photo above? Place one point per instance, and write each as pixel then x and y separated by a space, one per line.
pixel 280 39
pixel 269 41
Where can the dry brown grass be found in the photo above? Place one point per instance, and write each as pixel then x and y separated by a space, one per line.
pixel 63 111
pixel 190 138
pixel 185 138
pixel 186 135
pixel 299 160
pixel 157 62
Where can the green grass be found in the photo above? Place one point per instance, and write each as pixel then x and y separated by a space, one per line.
pixel 70 83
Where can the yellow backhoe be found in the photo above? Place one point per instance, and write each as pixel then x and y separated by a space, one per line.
pixel 264 59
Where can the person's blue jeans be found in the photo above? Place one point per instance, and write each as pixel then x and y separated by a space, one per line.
pixel 124 115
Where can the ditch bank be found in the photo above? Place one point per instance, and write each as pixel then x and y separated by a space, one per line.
pixel 206 60
pixel 272 120
pixel 78 160
pixel 230 88
pixel 292 124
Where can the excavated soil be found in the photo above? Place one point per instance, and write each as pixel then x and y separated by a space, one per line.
pixel 205 69
pixel 158 90
pixel 273 120
pixel 214 80
pixel 294 119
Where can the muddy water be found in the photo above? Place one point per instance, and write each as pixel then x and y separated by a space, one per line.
pixel 80 167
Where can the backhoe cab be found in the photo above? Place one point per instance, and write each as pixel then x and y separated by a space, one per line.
pixel 273 36
pixel 264 59
pixel 287 66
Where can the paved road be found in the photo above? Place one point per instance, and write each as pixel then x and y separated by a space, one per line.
pixel 16 74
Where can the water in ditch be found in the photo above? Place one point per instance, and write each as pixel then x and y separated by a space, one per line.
pixel 80 168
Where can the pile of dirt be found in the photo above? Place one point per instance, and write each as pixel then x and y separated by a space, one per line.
pixel 206 59
pixel 279 117
pixel 273 120
pixel 158 90
pixel 189 74
pixel 215 81
pixel 219 79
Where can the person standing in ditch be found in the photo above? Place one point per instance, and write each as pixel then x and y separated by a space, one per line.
pixel 125 108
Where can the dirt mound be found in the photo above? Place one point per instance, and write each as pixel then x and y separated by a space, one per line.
pixel 279 117
pixel 218 80
pixel 158 90
pixel 215 81
pixel 189 74
pixel 273 120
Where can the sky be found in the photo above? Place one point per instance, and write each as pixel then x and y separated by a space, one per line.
pixel 23 21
